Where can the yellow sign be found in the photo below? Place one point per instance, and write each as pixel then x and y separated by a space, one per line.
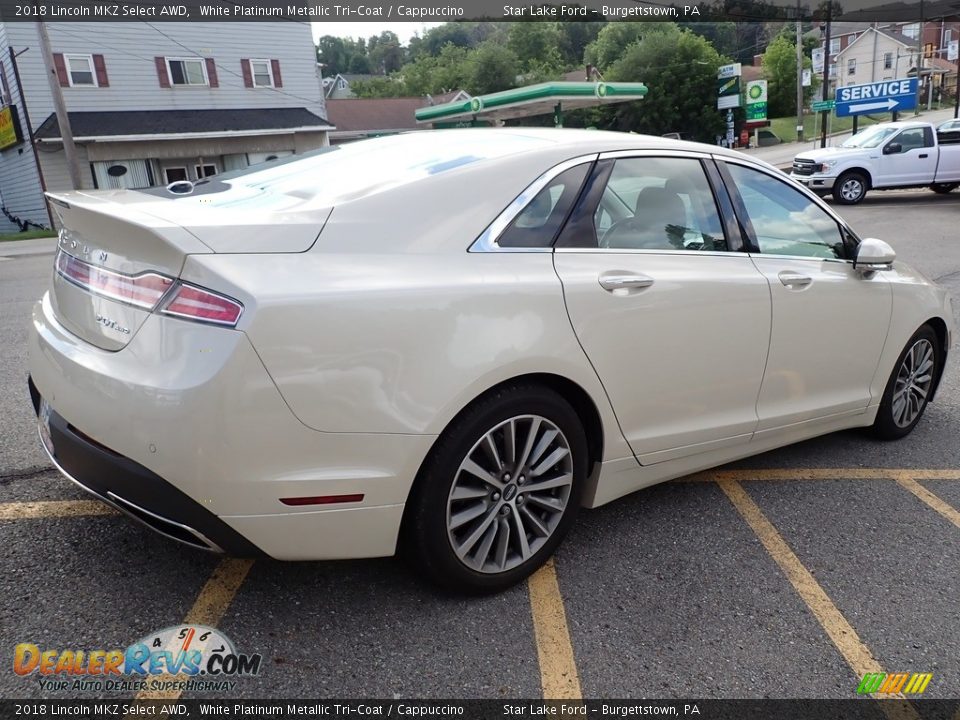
pixel 9 127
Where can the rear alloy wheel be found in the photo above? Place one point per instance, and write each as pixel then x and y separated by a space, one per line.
pixel 499 491
pixel 944 188
pixel 908 390
pixel 851 188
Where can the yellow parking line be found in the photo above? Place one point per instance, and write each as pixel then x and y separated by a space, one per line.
pixel 908 483
pixel 208 609
pixel 53 509
pixel 823 474
pixel 558 670
pixel 844 637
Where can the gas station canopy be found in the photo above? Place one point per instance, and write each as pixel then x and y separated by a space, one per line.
pixel 530 100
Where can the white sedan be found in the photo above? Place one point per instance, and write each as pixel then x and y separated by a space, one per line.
pixel 447 342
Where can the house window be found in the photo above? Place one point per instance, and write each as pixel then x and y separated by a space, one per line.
pixel 175 174
pixel 887 60
pixel 187 71
pixel 80 70
pixel 342 84
pixel 852 66
pixel 204 171
pixel 834 45
pixel 912 30
pixel 262 73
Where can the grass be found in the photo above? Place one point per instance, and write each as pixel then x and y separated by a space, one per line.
pixel 28 235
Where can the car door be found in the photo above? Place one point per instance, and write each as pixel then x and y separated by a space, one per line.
pixel 829 321
pixel 908 158
pixel 675 321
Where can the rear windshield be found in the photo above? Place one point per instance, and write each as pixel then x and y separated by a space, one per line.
pixel 346 172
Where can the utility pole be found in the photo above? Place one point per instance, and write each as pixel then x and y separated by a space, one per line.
pixel 799 78
pixel 826 76
pixel 60 108
pixel 916 109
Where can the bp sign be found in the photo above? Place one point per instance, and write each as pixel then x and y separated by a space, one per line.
pixel 756 100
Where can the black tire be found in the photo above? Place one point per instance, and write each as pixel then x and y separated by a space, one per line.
pixel 851 187
pixel 428 542
pixel 890 424
pixel 944 188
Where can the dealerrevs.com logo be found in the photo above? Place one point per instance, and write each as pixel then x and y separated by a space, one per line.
pixel 182 657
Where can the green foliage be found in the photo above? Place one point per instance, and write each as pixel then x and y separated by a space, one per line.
pixel 611 42
pixel 780 70
pixel 679 69
pixel 491 67
pixel 377 87
pixel 536 46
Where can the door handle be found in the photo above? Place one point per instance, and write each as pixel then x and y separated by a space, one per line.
pixel 924 155
pixel 625 281
pixel 791 279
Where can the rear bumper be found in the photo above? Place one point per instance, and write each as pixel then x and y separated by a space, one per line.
pixel 184 427
pixel 815 182
pixel 135 491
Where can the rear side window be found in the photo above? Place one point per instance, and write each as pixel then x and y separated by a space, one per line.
pixel 539 222
pixel 784 220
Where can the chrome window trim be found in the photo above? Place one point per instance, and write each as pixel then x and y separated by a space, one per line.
pixel 664 153
pixel 653 251
pixel 489 238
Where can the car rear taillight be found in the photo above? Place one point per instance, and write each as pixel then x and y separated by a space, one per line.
pixel 195 303
pixel 143 290
pixel 151 291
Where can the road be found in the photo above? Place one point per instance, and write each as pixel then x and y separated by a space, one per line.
pixel 787 575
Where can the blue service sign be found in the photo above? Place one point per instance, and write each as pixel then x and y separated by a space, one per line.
pixel 878 97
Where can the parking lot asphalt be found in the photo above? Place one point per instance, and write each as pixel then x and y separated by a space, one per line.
pixel 789 574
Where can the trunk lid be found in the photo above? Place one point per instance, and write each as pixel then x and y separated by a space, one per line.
pixel 119 237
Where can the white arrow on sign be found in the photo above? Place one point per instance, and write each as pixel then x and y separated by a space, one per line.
pixel 887 104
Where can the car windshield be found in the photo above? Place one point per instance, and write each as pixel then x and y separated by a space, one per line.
pixel 870 138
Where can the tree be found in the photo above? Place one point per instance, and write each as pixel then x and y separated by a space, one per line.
pixel 536 46
pixel 491 68
pixel 780 70
pixel 679 69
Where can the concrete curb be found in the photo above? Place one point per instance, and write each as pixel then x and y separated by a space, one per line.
pixel 23 248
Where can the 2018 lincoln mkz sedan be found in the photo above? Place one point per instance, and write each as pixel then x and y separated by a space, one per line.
pixel 449 341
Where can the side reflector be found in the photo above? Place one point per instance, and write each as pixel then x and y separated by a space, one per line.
pixel 323 499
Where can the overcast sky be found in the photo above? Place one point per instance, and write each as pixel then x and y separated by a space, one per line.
pixel 404 30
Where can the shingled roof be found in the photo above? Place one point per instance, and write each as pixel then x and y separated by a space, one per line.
pixel 140 123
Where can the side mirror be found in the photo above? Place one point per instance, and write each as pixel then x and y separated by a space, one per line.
pixel 892 148
pixel 873 254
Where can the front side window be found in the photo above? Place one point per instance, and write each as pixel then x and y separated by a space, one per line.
pixel 784 220
pixel 187 71
pixel 655 203
pixel 261 72
pixel 869 138
pixel 80 70
pixel 911 139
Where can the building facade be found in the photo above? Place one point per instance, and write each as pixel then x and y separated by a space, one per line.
pixel 150 104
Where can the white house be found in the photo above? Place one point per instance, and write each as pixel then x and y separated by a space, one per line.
pixel 876 54
pixel 150 104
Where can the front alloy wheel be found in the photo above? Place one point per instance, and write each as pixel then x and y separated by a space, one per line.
pixel 910 386
pixel 498 491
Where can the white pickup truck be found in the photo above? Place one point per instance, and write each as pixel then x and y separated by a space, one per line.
pixel 883 157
